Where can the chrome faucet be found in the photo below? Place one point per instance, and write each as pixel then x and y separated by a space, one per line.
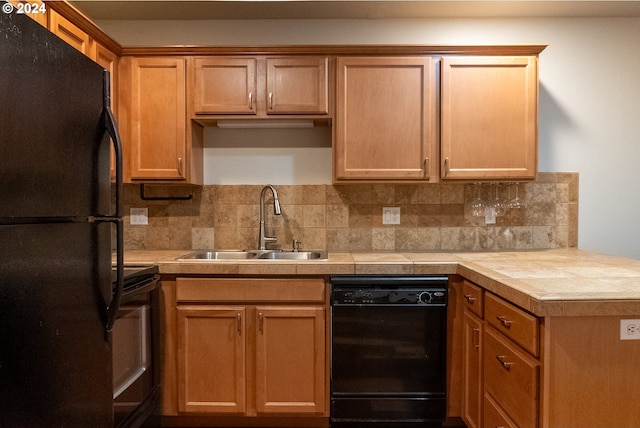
pixel 263 238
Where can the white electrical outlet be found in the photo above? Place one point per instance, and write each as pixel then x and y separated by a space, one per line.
pixel 391 215
pixel 139 216
pixel 629 329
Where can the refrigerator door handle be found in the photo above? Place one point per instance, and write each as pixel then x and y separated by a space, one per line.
pixel 112 129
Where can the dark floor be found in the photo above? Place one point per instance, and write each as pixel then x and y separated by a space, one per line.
pixel 449 423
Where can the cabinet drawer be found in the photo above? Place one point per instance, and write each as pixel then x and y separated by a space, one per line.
pixel 494 417
pixel 473 298
pixel 511 377
pixel 249 290
pixel 513 322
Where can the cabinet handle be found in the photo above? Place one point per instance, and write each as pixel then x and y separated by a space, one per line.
pixel 476 338
pixel 250 100
pixel 469 298
pixel 446 167
pixel 239 324
pixel 179 166
pixel 261 323
pixel 503 362
pixel 426 167
pixel 504 321
pixel 270 100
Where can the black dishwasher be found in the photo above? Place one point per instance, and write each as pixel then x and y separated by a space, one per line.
pixel 388 350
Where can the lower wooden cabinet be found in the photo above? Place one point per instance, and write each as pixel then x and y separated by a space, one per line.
pixel 472 367
pixel 250 347
pixel 511 379
pixel 211 359
pixel 494 416
pixel 290 359
pixel 501 371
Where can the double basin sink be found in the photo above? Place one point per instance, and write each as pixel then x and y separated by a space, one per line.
pixel 256 255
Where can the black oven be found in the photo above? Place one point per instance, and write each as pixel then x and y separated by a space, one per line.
pixel 388 351
pixel 135 348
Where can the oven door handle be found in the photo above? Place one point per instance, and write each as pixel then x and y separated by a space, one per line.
pixel 144 287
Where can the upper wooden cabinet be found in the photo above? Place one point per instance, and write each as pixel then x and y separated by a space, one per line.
pixel 72 34
pixel 489 117
pixel 260 86
pixel 160 146
pixel 224 85
pixel 297 85
pixel 385 119
pixel 158 121
pixel 34 9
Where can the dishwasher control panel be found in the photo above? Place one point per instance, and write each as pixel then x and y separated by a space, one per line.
pixel 389 290
pixel 394 296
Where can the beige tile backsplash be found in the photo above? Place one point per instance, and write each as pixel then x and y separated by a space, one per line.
pixel 349 217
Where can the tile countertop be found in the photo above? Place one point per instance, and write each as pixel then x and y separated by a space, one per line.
pixel 564 282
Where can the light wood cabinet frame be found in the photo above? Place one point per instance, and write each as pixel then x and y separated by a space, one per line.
pixel 385 119
pixel 72 34
pixel 258 87
pixel 489 117
pixel 247 348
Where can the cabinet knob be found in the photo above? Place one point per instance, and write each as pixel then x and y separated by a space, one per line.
pixel 504 321
pixel 250 100
pixel 469 298
pixel 261 322
pixel 426 168
pixel 239 324
pixel 270 100
pixel 179 166
pixel 503 362
pixel 446 167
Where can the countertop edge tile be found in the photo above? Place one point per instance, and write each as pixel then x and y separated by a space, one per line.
pixel 558 282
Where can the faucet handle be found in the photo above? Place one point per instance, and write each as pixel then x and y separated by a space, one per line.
pixel 296 245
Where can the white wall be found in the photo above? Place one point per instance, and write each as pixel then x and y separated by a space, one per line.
pixel 589 92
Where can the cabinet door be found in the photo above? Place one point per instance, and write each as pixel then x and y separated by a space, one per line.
pixel 472 366
pixel 70 33
pixel 211 359
pixel 158 118
pixel 290 361
pixel 297 85
pixel 225 86
pixel 385 119
pixel 494 416
pixel 489 118
pixel 511 378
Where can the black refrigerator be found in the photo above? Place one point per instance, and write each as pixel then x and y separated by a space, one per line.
pixel 60 221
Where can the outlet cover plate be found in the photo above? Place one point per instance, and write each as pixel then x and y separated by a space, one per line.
pixel 139 216
pixel 629 329
pixel 391 215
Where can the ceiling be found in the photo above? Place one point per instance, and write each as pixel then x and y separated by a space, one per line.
pixel 359 9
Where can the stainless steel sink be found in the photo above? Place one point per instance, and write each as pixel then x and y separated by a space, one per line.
pixel 293 255
pixel 221 255
pixel 256 255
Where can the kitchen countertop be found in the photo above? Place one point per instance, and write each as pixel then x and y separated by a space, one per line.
pixel 562 282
